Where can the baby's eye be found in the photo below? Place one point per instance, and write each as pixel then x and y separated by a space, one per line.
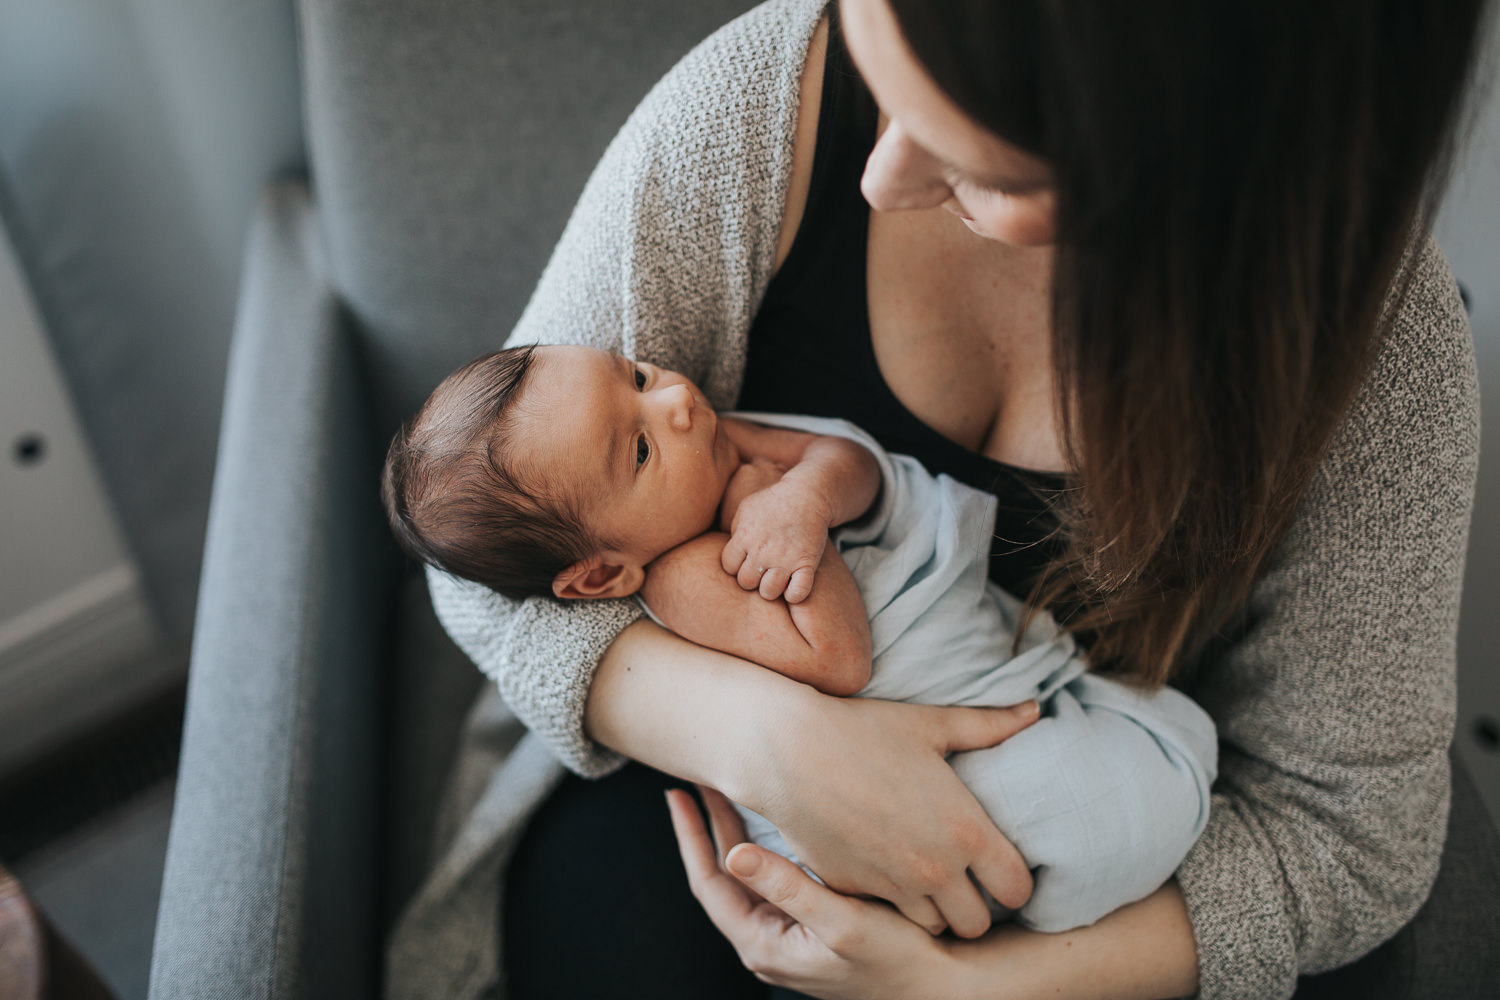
pixel 642 451
pixel 640 379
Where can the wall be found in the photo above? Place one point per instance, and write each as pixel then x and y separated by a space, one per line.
pixel 1469 232
pixel 134 137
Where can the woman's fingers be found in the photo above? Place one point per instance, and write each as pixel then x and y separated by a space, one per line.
pixel 976 728
pixel 995 863
pixel 725 823
pixel 964 909
pixel 863 793
pixel 722 896
pixel 924 912
pixel 789 930
pixel 831 917
pixel 1002 871
pixel 729 832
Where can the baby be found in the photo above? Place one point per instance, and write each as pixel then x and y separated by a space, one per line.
pixel 578 474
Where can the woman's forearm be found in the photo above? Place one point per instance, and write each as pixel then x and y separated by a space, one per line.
pixel 1144 951
pixel 680 708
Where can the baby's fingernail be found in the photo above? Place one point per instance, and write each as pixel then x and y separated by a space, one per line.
pixel 1030 710
pixel 744 863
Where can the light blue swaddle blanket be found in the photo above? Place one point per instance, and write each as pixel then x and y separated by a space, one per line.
pixel 1103 795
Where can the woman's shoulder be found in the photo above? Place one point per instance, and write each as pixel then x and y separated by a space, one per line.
pixel 738 89
pixel 1423 384
pixel 673 239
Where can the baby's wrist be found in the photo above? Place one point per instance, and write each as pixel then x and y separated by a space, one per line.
pixel 811 497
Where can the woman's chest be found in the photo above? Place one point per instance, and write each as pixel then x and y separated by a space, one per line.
pixel 960 329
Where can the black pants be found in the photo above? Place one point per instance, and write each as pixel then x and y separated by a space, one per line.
pixel 597 903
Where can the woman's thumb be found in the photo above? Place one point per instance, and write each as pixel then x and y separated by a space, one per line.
pixel 976 728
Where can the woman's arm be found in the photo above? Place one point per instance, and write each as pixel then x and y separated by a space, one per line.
pixel 1335 701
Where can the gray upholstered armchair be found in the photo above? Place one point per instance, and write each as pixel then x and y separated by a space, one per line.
pixel 448 140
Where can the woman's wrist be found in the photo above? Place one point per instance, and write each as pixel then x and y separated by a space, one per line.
pixel 692 712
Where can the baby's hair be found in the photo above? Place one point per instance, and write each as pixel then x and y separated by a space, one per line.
pixel 455 502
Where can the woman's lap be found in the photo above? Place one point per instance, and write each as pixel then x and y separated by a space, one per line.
pixel 597 904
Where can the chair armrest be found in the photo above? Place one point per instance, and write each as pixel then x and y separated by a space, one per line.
pixel 271 862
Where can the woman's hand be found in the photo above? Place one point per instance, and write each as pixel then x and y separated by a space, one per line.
pixel 789 930
pixel 792 932
pixel 861 790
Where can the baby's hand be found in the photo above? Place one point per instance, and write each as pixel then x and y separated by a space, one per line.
pixel 753 476
pixel 778 536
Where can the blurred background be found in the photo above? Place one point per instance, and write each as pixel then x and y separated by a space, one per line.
pixel 135 137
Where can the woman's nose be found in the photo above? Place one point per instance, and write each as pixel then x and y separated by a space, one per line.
pixel 900 175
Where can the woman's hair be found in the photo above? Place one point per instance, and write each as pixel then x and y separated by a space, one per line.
pixel 1236 184
pixel 455 502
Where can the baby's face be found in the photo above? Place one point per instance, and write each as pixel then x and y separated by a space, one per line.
pixel 639 444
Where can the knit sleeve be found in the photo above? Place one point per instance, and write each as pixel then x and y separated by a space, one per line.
pixel 1336 706
pixel 665 257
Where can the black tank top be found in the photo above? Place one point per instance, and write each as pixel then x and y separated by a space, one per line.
pixel 810 349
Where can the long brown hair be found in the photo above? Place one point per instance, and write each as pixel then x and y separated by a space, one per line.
pixel 1236 184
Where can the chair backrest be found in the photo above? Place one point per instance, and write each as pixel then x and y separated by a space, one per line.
pixel 448 141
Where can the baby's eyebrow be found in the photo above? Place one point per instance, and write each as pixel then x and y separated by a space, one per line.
pixel 611 461
pixel 626 368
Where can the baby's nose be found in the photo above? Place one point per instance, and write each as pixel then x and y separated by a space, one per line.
pixel 680 407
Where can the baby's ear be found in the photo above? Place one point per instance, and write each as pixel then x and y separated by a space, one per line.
pixel 608 574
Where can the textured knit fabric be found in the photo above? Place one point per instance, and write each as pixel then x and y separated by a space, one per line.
pixel 1334 701
pixel 1105 794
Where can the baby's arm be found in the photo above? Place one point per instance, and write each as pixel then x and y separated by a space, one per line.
pixel 823 641
pixel 779 531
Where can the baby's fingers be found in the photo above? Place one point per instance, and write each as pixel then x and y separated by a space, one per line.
pixel 750 574
pixel 773 583
pixel 800 586
pixel 733 556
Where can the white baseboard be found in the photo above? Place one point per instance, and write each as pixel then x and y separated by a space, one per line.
pixel 74 660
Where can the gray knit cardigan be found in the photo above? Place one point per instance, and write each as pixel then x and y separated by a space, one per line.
pixel 1335 707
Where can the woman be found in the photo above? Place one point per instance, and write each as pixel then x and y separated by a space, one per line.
pixel 1198 386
